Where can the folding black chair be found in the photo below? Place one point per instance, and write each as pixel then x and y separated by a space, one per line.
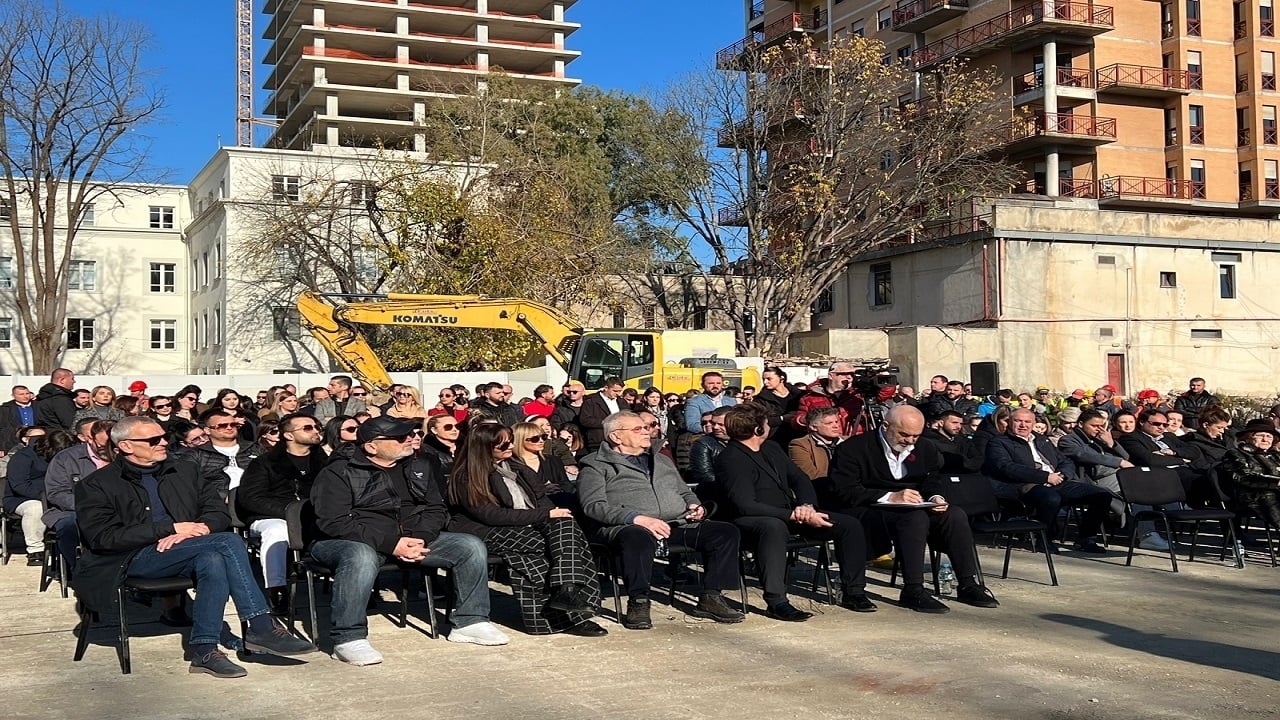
pixel 1159 488
pixel 973 494
pixel 54 567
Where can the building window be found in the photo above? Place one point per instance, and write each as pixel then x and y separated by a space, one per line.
pixel 161 217
pixel 1107 260
pixel 698 318
pixel 1205 334
pixel 649 317
pixel 1197 179
pixel 204 329
pixel 360 193
pixel 195 332
pixel 286 188
pixel 82 275
pixel 858 29
pixel 1227 282
pixel 884 19
pixel 164 277
pixel 286 323
pixel 1266 19
pixel 88 214
pixel 195 272
pixel 1268 71
pixel 881 285
pixel 1193 18
pixel 1269 134
pixel 904 54
pixel 1195 118
pixel 80 334
pixel 5 212
pixel 1271 179
pixel 217 326
pixel 6 333
pixel 204 269
pixel 1168 279
pixel 619 318
pixel 1170 126
pixel 824 303
pixel 1166 20
pixel 164 334
pixel 6 273
pixel 217 259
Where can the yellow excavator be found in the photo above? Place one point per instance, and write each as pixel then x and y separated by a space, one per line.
pixel 588 355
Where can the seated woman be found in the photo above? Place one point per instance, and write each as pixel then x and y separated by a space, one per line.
pixel 442 440
pixel 552 575
pixel 24 488
pixel 1254 468
pixel 529 454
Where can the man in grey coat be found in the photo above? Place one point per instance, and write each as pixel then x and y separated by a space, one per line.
pixel 639 504
pixel 65 470
pixel 339 402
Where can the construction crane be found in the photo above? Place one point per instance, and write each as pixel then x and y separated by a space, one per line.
pixel 244 76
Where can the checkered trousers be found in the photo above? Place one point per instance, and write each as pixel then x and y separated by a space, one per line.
pixel 541 557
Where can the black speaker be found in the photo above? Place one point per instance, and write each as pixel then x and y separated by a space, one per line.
pixel 985 377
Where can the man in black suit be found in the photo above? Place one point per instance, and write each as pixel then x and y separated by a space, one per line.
pixel 770 500
pixel 888 466
pixel 1027 467
pixel 16 413
pixel 959 454
pixel 1151 446
pixel 597 407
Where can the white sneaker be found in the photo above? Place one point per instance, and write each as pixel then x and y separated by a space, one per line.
pixel 1153 541
pixel 357 652
pixel 481 633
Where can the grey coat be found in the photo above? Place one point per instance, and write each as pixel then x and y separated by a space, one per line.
pixel 326 410
pixel 65 470
pixel 613 491
pixel 1095 460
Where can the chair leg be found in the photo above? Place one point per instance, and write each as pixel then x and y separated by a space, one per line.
pixel 1195 539
pixel 1048 559
pixel 893 574
pixel 314 628
pixel 428 578
pixel 86 622
pixel 934 557
pixel 1173 558
pixel 1133 540
pixel 4 540
pixel 1008 552
pixel 404 598
pixel 291 592
pixel 1271 549
pixel 126 665
pixel 977 563
pixel 826 564
pixel 1235 548
pixel 62 574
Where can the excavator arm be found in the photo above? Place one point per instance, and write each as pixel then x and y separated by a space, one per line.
pixel 335 324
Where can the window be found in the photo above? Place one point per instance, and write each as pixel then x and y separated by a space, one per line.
pixel 195 332
pixel 881 285
pixel 204 268
pixel 195 272
pixel 1106 259
pixel 649 316
pixel 1269 125
pixel 1170 126
pixel 5 212
pixel 1193 18
pixel 824 303
pixel 1205 334
pixel 286 324
pixel 161 217
pixel 858 29
pixel 6 273
pixel 80 334
pixel 1197 179
pixel 360 193
pixel 164 277
pixel 1195 118
pixel 217 326
pixel 884 19
pixel 1168 279
pixel 619 318
pixel 1226 257
pixel 1195 75
pixel 1268 71
pixel 88 214
pixel 6 333
pixel 1266 19
pixel 286 188
pixel 1106 332
pixel 217 259
pixel 1166 20
pixel 164 334
pixel 904 54
pixel 204 329
pixel 1271 179
pixel 1227 281
pixel 82 275
pixel 698 318
pixel 601 358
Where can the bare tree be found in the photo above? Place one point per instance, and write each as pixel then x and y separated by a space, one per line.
pixel 816 156
pixel 73 95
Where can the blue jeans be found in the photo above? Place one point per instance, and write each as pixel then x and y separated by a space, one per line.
pixel 219 564
pixel 355 569
pixel 68 540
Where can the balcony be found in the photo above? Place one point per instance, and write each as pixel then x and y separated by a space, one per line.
pixel 736 55
pixel 1146 80
pixel 1038 18
pixel 920 15
pixel 1063 128
pixel 731 216
pixel 1242 137
pixel 1270 136
pixel 1067 77
pixel 1133 190
pixel 757 11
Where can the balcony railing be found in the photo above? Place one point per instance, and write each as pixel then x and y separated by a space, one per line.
pixel 1067 77
pixel 1144 77
pixel 1063 124
pixel 728 58
pixel 1242 30
pixel 918 15
pixel 1062 16
pixel 1267 27
pixel 1270 136
pixel 757 10
pixel 1077 188
pixel 1272 189
pixel 1268 81
pixel 1242 83
pixel 1193 27
pixel 1246 191
pixel 1129 186
pixel 1242 137
pixel 1196 134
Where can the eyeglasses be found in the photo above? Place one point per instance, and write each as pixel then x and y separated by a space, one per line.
pixel 153 441
pixel 198 440
pixel 350 429
pixel 638 428
pixel 1153 423
pixel 398 438
pixel 189 398
pixel 307 428
pixel 404 394
pixel 652 425
pixel 572 392
pixel 417 433
pixel 359 394
pixel 450 426
pixel 272 432
pixel 536 439
pixel 223 426
pixel 504 445
pixel 442 396
pixel 157 406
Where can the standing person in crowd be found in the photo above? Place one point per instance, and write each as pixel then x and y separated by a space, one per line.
pixel 339 400
pixel 16 413
pixel 126 404
pixel 138 391
pixel 408 405
pixel 653 403
pixel 93 452
pixel 450 405
pixel 543 403
pixel 630 399
pixel 598 406
pixel 188 399
pixel 149 517
pixel 712 397
pixel 340 436
pixel 493 404
pixel 270 483
pixel 101 407
pixel 529 456
pixel 286 403
pixel 1253 467
pixel 24 488
pixel 505 504
pixel 1192 402
pixel 385 502
pixel 953 397
pixel 230 401
pixel 568 404
pixel 782 403
pixel 55 403
pixel 835 390
pixel 161 411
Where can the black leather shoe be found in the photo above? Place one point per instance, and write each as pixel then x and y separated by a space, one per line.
pixel 917 598
pixel 787 612
pixel 587 629
pixel 1089 546
pixel 35 559
pixel 637 615
pixel 569 598
pixel 977 596
pixel 858 602
pixel 278 641
pixel 215 663
pixel 712 606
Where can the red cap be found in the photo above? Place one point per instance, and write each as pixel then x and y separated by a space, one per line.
pixel 1078 394
pixel 1148 393
pixel 1110 388
pixel 137 386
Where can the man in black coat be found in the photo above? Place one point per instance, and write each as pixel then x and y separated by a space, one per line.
pixel 771 499
pixel 1027 467
pixel 886 473
pixel 385 502
pixel 55 403
pixel 960 456
pixel 1151 446
pixel 953 399
pixel 597 407
pixel 147 517
pixel 16 413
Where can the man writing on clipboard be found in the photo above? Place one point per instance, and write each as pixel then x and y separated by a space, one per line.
pixel 887 473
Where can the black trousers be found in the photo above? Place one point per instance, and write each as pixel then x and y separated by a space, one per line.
pixel 716 541
pixel 915 529
pixel 768 537
pixel 1044 502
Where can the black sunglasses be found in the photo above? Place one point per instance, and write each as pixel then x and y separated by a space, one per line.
pixel 153 441
pixel 160 407
pixel 353 428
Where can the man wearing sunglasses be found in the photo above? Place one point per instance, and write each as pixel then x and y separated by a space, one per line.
pixel 569 404
pixel 147 516
pixel 1151 445
pixel 272 481
pixel 225 450
pixel 385 502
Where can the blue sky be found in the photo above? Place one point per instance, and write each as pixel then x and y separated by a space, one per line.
pixel 631 45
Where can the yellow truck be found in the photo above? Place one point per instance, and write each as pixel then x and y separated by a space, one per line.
pixel 671 360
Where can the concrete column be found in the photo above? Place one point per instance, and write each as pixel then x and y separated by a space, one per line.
pixel 317 16
pixel 331 134
pixel 402 24
pixel 557 11
pixel 1052 184
pixel 559 67
pixel 419 142
pixel 558 39
pixel 318 76
pixel 482 7
pixel 331 104
pixel 318 44
pixel 482 61
pixel 402 53
pixel 1050 50
pixel 419 111
pixel 482 32
pixel 402 81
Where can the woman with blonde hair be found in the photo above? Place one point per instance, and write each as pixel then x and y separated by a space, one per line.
pixel 529 451
pixel 407 405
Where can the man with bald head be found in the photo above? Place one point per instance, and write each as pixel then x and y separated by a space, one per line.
pixel 877 470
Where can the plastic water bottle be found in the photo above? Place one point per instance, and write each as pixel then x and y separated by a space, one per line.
pixel 946 578
pixel 661 550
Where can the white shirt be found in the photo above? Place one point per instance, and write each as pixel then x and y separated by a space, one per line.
pixel 612 403
pixel 233 470
pixel 897 462
pixel 1040 462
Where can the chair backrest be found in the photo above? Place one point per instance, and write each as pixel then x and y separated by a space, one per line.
pixel 1150 486
pixel 237 522
pixel 300 517
pixel 971 493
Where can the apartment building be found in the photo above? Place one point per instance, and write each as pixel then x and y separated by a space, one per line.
pixel 1138 250
pixel 363 72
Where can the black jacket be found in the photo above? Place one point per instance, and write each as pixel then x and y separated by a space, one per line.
pixel 1009 460
pixel 860 471
pixel 702 458
pixel 1252 471
pixel 213 464
pixel 55 407
pixel 506 413
pixel 272 481
pixel 480 519
pixel 1213 451
pixel 764 483
pixel 356 500
pixel 935 405
pixel 960 456
pixel 591 419
pixel 564 414
pixel 1191 405
pixel 25 479
pixel 10 422
pixel 113 512
pixel 1144 452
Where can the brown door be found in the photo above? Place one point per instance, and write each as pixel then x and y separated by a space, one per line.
pixel 1115 371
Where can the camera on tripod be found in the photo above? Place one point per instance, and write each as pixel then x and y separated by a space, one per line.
pixel 871 378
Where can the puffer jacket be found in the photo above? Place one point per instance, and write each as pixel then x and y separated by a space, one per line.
pixel 356 500
pixel 702 458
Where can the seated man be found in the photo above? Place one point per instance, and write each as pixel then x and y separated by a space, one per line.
pixel 1026 467
pixel 812 453
pixel 145 516
pixel 273 480
pixel 960 456
pixel 771 499
pixel 64 473
pixel 702 458
pixel 1151 446
pixel 638 500
pixel 385 502
pixel 887 466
